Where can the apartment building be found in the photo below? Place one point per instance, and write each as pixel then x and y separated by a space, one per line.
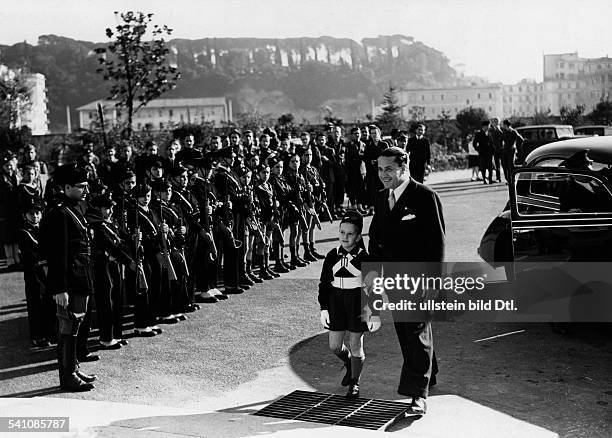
pixel 159 113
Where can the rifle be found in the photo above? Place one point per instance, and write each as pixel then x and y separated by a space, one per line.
pixel 101 116
pixel 166 261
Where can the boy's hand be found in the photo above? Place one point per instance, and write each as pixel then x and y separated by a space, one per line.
pixel 374 323
pixel 325 319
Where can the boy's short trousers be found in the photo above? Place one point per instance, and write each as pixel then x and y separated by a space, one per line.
pixel 345 311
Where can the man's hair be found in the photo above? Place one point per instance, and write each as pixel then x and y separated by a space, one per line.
pixel 484 123
pixel 421 125
pixel 355 130
pixel 398 154
pixel 506 122
pixel 373 127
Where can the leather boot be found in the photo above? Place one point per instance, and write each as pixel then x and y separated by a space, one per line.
pixel 267 266
pixel 263 272
pixel 69 380
pixel 308 256
pixel 296 262
pixel 279 267
pixel 314 252
pixel 251 274
pixel 281 257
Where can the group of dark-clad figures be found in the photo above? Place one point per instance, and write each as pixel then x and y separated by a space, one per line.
pixel 162 232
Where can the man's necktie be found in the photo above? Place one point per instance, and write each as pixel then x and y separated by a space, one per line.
pixel 391 200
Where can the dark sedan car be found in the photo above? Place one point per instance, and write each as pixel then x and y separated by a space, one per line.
pixel 559 216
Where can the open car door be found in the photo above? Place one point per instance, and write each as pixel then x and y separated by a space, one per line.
pixel 561 227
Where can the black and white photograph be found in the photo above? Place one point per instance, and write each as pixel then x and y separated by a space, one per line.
pixel 350 218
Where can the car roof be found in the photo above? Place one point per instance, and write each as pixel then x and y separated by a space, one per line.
pixel 600 149
pixel 593 126
pixel 543 126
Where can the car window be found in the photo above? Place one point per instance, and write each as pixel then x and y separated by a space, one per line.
pixel 551 193
pixel 529 134
pixel 565 132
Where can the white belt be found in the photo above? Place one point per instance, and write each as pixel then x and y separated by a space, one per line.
pixel 347 282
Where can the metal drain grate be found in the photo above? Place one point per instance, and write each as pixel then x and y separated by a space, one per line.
pixel 364 413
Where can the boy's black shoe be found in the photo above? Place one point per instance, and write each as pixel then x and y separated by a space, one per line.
pixel 346 380
pixel 353 391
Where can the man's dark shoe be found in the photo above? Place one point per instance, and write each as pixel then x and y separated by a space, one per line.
pixel 346 380
pixel 156 329
pixel 144 333
pixel 418 406
pixel 41 343
pixel 233 290
pixel 123 342
pixel 72 383
pixel 353 391
pixel 87 378
pixel 181 317
pixel 205 297
pixel 89 357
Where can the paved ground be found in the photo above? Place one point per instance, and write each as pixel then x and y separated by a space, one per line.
pixel 185 383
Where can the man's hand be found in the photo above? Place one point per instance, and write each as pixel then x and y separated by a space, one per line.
pixel 368 281
pixel 61 299
pixel 325 319
pixel 374 323
pixel 183 229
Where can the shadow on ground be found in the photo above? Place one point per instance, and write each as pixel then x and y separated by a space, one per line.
pixel 537 376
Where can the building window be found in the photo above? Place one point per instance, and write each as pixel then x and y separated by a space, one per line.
pixel 520 89
pixel 467 101
pixel 490 109
pixel 91 116
pixel 182 118
pixel 562 65
pixel 422 97
pixel 170 113
pixel 478 96
pixel 510 99
pixel 560 85
pixel 441 96
pixel 161 113
pixel 161 126
pixel 490 95
pixel 511 88
pixel 571 65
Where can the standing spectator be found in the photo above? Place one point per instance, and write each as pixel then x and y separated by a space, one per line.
pixel 355 170
pixel 9 180
pixel 372 150
pixel 482 143
pixel 30 156
pixel 28 190
pixel 60 155
pixel 497 139
pixel 511 141
pixel 420 154
pixel 328 164
pixel 473 160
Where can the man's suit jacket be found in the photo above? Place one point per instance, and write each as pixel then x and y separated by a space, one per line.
pixel 413 231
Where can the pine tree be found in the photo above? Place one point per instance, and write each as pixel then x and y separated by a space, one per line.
pixel 391 116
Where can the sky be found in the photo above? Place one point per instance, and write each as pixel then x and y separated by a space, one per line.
pixel 502 41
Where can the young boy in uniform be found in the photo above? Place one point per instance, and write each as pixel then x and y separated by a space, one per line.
pixel 340 300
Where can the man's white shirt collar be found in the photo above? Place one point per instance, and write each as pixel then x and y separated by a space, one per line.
pixel 400 189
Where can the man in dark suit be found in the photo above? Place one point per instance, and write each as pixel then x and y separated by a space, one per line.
pixel 420 153
pixel 484 146
pixel 408 226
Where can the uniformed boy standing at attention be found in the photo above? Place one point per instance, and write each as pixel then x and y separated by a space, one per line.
pixel 341 301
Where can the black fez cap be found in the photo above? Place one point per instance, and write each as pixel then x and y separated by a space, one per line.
pixel 33 204
pixel 177 170
pixel 155 161
pixel 70 174
pixel 141 190
pixel 160 185
pixel 225 152
pixel 242 170
pixel 272 161
pixel 353 218
pixel 103 201
pixel 262 167
pixel 236 132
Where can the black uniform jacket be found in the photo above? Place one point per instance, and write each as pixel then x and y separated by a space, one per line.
pixel 68 248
